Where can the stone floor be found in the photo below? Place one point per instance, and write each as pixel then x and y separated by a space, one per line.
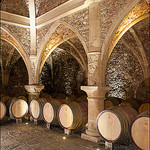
pixel 27 136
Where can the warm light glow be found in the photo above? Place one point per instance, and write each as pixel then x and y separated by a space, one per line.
pixel 64 138
pixel 116 39
pixel 27 123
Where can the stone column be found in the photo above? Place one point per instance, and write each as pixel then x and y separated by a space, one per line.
pixel 33 91
pixel 96 96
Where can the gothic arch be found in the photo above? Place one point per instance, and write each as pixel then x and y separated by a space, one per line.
pixel 42 56
pixel 7 36
pixel 110 40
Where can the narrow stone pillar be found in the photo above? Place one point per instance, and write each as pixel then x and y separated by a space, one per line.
pixel 33 91
pixel 96 96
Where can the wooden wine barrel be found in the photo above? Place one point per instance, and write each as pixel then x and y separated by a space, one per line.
pixel 131 103
pixel 73 115
pixel 113 124
pixel 84 97
pixel 2 110
pixel 4 99
pixel 61 96
pixel 79 100
pixel 111 101
pixel 50 111
pixel 48 96
pixel 144 107
pixel 36 107
pixel 22 97
pixel 71 98
pixel 140 131
pixel 18 108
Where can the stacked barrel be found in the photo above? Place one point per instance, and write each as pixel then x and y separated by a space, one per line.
pixel 121 121
pixel 113 124
pixel 73 115
pixel 36 108
pixel 13 107
pixel 140 131
pixel 2 110
pixel 61 109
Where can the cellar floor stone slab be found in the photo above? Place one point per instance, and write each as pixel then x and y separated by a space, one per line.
pixel 27 136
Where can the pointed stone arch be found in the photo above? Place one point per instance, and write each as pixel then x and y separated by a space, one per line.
pixel 69 32
pixel 9 37
pixel 117 30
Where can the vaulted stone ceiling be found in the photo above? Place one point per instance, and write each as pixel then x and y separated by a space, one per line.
pixel 9 55
pixel 18 7
pixel 124 72
pixel 43 6
pixel 21 7
pixel 138 36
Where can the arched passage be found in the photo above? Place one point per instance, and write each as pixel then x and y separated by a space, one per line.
pixel 66 40
pixel 11 39
pixel 59 33
pixel 126 67
pixel 137 12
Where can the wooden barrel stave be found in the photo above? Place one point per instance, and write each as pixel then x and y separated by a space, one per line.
pixel 111 101
pixel 54 106
pixel 4 99
pixel 115 120
pixel 144 107
pixel 140 131
pixel 79 116
pixel 36 107
pixel 2 110
pixel 18 108
pixel 131 103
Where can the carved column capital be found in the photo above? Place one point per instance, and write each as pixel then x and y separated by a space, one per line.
pixel 34 88
pixel 95 91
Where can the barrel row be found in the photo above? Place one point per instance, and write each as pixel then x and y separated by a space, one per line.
pixel 120 123
pixel 136 104
pixel 69 115
pixel 68 98
pixel 12 107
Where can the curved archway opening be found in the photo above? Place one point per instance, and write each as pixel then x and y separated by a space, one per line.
pixel 14 74
pixel 65 69
pixel 126 69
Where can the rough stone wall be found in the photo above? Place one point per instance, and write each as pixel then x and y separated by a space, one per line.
pixel 60 35
pixel 18 78
pixel 142 30
pixel 80 21
pixel 41 32
pixel 64 75
pixel 43 6
pixel 77 43
pixel 23 35
pixel 140 9
pixel 129 38
pixel 124 73
pixel 108 12
pixel 18 7
pixel 4 51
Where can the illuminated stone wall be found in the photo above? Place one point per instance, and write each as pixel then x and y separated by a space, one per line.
pixel 22 34
pixel 63 75
pixel 124 73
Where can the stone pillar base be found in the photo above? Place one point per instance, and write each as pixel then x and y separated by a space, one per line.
pixel 95 139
